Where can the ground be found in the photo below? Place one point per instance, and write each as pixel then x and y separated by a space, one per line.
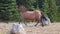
pixel 53 28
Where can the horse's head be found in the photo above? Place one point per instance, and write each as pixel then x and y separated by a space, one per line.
pixel 22 9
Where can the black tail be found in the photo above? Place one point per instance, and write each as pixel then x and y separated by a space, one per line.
pixel 42 17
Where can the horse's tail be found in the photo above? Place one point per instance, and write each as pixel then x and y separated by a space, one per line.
pixel 42 17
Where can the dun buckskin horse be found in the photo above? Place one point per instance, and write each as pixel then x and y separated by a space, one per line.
pixel 31 15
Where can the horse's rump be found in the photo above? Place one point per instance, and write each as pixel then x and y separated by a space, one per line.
pixel 37 14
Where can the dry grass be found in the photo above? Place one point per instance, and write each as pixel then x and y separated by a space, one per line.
pixel 53 28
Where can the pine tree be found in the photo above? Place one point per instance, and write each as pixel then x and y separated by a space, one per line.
pixel 46 7
pixel 27 3
pixel 8 9
pixel 53 10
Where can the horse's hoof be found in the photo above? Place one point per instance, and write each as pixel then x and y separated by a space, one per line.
pixel 42 25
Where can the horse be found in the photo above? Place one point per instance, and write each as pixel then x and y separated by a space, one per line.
pixel 31 15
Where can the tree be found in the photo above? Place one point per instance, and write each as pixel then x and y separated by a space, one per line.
pixel 27 3
pixel 53 10
pixel 58 6
pixel 46 7
pixel 8 9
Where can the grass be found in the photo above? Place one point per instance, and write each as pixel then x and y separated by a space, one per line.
pixel 53 28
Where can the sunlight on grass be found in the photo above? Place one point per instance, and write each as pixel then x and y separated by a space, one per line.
pixel 2 33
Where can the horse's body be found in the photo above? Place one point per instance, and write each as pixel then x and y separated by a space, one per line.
pixel 30 15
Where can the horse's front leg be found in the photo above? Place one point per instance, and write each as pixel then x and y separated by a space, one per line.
pixel 25 22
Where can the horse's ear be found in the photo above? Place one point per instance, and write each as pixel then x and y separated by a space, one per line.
pixel 20 8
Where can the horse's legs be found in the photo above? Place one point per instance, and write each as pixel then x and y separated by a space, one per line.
pixel 42 23
pixel 25 23
pixel 37 23
pixel 19 22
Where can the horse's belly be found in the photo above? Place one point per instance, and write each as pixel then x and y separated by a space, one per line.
pixel 28 16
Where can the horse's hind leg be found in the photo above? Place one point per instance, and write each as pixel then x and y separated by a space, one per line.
pixel 42 23
pixel 37 23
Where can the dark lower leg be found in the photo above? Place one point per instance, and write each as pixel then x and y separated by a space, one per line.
pixel 25 23
pixel 37 23
pixel 19 21
pixel 42 24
